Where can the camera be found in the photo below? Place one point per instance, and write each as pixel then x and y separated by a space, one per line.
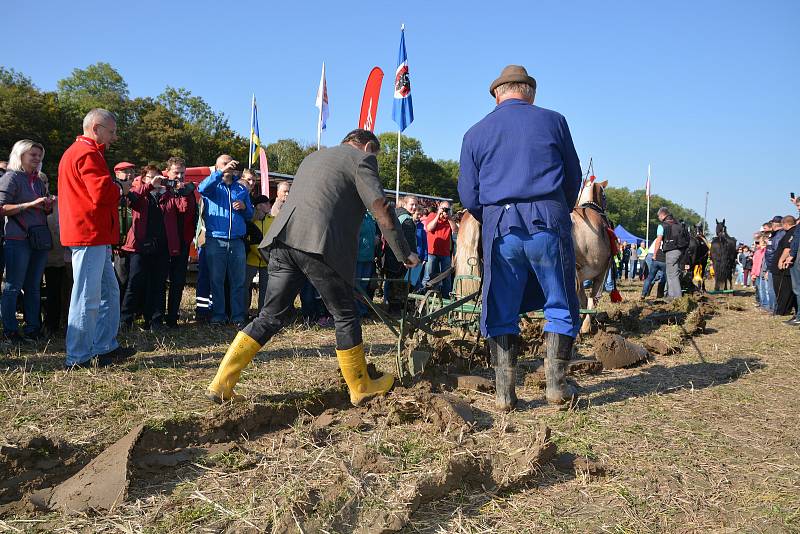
pixel 169 183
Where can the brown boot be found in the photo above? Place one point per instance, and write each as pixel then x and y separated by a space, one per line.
pixel 558 354
pixel 504 351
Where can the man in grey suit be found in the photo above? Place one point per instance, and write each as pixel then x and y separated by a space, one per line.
pixel 315 236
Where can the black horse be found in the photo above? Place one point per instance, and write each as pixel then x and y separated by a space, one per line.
pixel 697 258
pixel 723 254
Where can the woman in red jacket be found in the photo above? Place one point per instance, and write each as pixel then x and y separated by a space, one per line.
pixel 152 240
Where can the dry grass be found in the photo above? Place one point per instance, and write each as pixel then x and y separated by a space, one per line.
pixel 703 440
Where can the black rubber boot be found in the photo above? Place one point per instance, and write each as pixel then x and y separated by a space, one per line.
pixel 504 351
pixel 557 357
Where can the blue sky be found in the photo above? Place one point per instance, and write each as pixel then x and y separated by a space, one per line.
pixel 705 91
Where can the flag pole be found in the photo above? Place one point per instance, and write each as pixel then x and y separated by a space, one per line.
pixel 321 96
pixel 250 152
pixel 397 183
pixel 319 127
pixel 647 221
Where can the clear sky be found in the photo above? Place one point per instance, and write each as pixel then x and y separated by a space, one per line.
pixel 705 91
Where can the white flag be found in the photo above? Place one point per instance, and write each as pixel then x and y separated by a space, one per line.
pixel 322 102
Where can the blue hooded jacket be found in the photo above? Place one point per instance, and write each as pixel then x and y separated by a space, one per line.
pixel 222 221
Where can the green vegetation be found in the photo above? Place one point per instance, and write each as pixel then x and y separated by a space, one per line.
pixel 177 123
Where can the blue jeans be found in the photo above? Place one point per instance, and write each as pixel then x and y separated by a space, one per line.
pixel 226 260
pixel 519 259
pixel 433 267
pixel 24 270
pixel 766 293
pixel 93 320
pixel 364 269
pixel 739 274
pixel 771 292
pixel 795 272
pixel 656 267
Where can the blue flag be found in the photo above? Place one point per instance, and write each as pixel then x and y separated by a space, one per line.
pixel 403 110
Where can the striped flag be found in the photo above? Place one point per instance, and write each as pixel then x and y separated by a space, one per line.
pixel 255 140
pixel 257 151
pixel 322 104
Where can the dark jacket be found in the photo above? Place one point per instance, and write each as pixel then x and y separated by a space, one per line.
pixel 409 229
pixel 140 207
pixel 323 215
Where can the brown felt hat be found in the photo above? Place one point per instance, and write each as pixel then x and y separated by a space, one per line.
pixel 511 74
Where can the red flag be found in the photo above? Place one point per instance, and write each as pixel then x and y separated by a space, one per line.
pixel 264 168
pixel 369 103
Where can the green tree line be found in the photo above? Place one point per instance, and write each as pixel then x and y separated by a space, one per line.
pixel 629 208
pixel 150 130
pixel 177 123
pixel 174 123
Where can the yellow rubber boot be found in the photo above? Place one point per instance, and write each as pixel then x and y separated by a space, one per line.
pixel 354 369
pixel 239 355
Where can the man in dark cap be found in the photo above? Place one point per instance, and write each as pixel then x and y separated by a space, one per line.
pixel 520 176
pixel 774 237
pixel 315 237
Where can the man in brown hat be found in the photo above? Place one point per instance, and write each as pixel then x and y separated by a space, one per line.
pixel 520 177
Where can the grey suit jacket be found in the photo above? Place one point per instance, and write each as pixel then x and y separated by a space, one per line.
pixel 326 205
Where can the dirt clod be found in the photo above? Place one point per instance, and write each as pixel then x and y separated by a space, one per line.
pixel 616 352
pixel 474 383
pixel 101 485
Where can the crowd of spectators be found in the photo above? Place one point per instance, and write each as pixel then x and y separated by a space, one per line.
pixel 116 255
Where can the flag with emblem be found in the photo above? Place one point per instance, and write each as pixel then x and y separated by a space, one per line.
pixel 403 111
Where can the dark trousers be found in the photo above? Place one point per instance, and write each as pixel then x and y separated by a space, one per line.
pixel 177 281
pixel 202 298
pixel 57 289
pixel 146 286
pixel 288 270
pixel 394 292
pixel 122 267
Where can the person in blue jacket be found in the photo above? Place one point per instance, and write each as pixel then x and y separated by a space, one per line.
pixel 520 177
pixel 227 208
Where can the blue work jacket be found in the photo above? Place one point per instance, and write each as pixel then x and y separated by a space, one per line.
pixel 519 169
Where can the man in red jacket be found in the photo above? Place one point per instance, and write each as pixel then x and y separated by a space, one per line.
pixel 88 200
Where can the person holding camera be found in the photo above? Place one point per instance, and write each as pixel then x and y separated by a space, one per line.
pixel 25 203
pixel 186 220
pixel 151 241
pixel 226 212
pixel 440 229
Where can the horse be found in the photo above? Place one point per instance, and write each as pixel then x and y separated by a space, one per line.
pixel 723 255
pixel 590 240
pixel 467 261
pixel 697 258
pixel 593 249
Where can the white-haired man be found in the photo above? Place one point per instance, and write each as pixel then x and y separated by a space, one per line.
pixel 89 224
